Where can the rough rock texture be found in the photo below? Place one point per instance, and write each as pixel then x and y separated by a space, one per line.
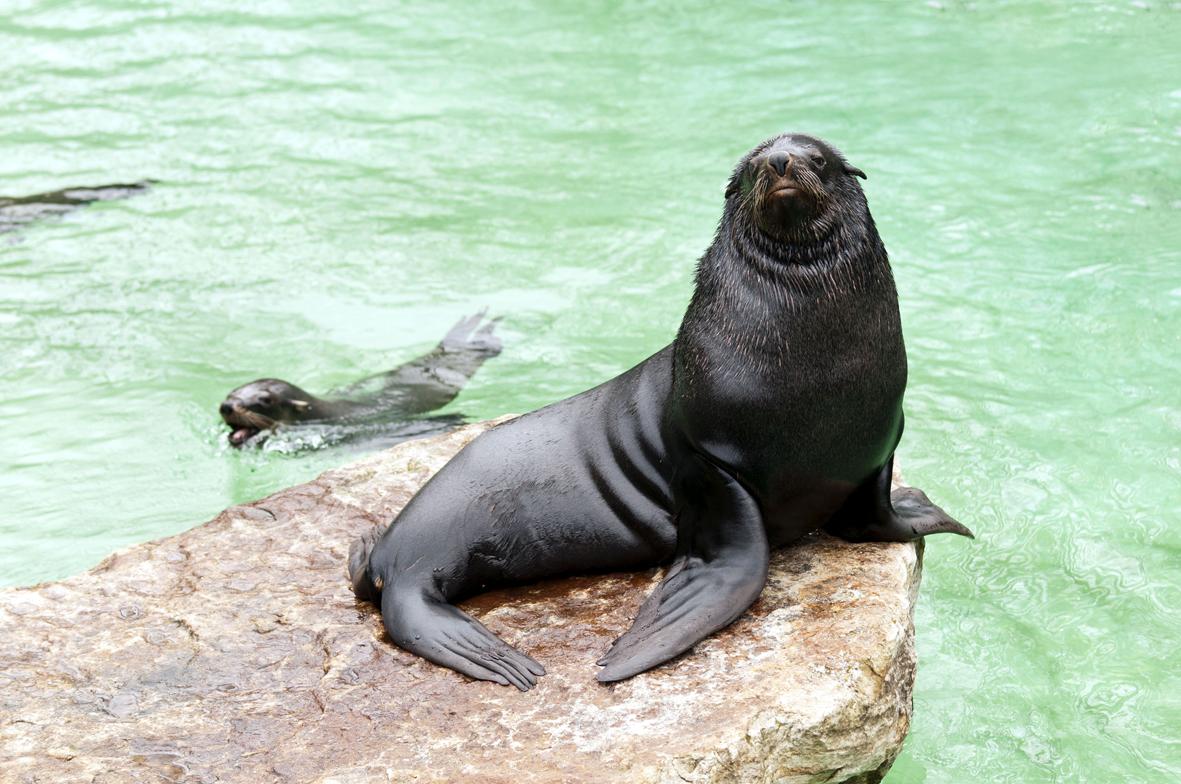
pixel 235 652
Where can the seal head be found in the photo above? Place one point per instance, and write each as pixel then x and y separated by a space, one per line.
pixel 264 405
pixel 793 189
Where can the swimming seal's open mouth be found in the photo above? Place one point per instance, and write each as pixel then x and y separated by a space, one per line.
pixel 242 435
pixel 244 423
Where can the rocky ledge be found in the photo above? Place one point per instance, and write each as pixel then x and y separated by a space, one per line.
pixel 235 652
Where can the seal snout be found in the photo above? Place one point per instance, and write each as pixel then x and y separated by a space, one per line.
pixel 781 170
pixel 244 423
pixel 786 187
pixel 778 162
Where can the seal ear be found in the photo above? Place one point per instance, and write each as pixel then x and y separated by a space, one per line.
pixel 731 187
pixel 302 405
pixel 851 169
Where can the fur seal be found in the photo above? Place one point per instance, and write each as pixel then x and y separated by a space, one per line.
pixel 775 411
pixel 428 382
pixel 16 211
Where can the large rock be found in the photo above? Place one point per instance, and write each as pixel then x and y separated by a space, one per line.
pixel 236 653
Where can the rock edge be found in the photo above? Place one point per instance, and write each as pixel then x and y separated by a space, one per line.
pixel 235 652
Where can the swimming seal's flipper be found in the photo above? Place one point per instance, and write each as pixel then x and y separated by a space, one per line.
pixel 719 570
pixel 874 514
pixel 433 379
pixel 465 336
pixel 419 619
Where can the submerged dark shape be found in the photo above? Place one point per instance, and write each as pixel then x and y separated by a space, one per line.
pixel 16 211
pixel 390 402
pixel 775 411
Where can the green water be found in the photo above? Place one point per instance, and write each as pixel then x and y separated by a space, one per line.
pixel 336 188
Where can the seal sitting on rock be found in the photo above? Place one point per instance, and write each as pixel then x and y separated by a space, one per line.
pixel 775 411
pixel 16 211
pixel 388 400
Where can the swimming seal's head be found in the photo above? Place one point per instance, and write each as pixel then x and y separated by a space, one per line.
pixel 263 405
pixel 794 188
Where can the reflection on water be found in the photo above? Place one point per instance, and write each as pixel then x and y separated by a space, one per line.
pixel 336 186
pixel 358 436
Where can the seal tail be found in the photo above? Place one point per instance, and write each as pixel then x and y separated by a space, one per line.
pixel 365 588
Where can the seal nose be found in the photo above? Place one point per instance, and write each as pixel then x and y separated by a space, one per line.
pixel 778 161
pixel 226 409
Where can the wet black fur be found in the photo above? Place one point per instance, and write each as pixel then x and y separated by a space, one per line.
pixel 775 411
pixel 17 211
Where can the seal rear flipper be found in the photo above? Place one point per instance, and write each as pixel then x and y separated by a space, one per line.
pixel 719 571
pixel 875 514
pixel 421 621
pixel 432 380
pixel 464 335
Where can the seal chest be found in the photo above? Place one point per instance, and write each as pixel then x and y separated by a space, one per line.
pixel 775 410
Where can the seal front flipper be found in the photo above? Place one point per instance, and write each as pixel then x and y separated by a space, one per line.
pixel 874 514
pixel 420 620
pixel 719 570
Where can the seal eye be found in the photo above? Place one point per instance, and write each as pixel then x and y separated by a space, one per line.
pixel 818 161
pixel 266 399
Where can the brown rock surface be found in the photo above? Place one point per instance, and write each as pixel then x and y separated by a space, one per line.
pixel 234 652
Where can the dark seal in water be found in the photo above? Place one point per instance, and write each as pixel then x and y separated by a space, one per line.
pixel 16 211
pixel 387 400
pixel 775 411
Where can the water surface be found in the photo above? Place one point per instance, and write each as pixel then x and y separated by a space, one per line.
pixel 337 187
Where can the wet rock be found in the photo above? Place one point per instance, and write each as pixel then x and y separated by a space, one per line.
pixel 235 652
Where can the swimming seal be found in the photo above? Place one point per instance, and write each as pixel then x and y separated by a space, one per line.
pixel 16 211
pixel 775 411
pixel 421 385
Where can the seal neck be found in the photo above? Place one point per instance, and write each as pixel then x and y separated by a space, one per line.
pixel 848 256
pixel 760 297
pixel 780 260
